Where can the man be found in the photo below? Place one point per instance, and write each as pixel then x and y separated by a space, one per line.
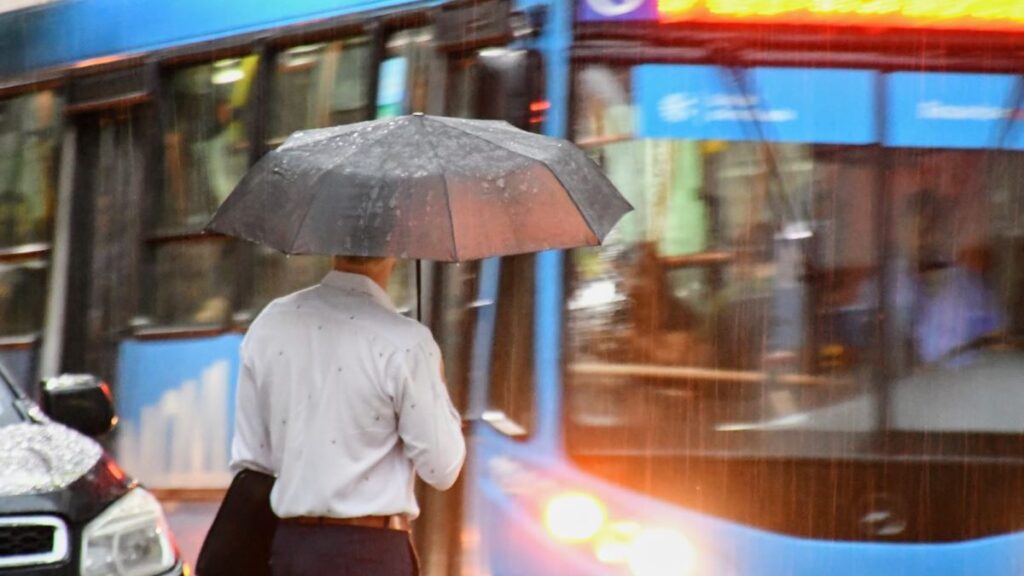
pixel 343 400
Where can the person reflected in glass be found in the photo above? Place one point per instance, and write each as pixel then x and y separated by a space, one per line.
pixel 225 159
pixel 939 296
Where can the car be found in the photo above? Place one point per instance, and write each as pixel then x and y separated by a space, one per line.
pixel 66 507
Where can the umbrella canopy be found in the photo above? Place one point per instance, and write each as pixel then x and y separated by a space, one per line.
pixel 425 187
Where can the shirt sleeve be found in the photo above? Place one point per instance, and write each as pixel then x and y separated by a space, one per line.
pixel 250 447
pixel 430 427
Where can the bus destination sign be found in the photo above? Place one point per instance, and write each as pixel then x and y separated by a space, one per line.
pixel 992 15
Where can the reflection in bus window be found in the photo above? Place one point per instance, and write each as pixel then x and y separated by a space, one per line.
pixel 206 147
pixel 405 73
pixel 740 300
pixel 29 147
pixel 22 297
pixel 454 324
pixel 728 299
pixel 320 85
pixel 510 401
pixel 954 265
pixel 194 282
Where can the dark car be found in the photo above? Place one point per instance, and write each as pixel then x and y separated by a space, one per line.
pixel 66 508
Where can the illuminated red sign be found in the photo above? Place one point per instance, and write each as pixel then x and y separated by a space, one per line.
pixel 1006 15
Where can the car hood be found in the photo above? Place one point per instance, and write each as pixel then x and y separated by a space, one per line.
pixel 49 468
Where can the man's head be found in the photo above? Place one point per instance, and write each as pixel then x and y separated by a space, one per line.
pixel 376 268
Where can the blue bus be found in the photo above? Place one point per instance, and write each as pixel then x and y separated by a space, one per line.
pixel 800 354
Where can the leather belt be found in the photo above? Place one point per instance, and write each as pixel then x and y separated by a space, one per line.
pixel 394 522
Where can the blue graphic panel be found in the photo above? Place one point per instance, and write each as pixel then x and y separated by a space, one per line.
pixel 787 104
pixel 952 110
pixel 176 403
pixel 616 10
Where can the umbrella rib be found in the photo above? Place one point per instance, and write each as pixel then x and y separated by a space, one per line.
pixel 535 159
pixel 447 195
pixel 312 185
pixel 579 209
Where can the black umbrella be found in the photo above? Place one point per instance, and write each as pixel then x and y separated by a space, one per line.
pixel 425 187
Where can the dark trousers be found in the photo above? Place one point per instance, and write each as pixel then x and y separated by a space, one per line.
pixel 311 550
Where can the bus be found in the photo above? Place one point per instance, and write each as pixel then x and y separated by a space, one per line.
pixel 798 355
pixel 121 131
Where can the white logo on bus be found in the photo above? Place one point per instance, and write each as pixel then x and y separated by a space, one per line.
pixel 678 107
pixel 614 7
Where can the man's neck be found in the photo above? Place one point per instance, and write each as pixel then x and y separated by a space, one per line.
pixel 380 277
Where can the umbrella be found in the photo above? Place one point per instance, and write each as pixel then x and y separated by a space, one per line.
pixel 425 187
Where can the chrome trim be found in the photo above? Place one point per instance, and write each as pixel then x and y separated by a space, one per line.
pixel 57 553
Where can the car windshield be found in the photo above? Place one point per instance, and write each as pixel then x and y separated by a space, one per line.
pixel 739 308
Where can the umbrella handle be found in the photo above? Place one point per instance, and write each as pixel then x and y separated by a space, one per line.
pixel 419 291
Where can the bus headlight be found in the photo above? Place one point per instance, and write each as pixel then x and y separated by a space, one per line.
pixel 130 538
pixel 660 552
pixel 581 519
pixel 574 517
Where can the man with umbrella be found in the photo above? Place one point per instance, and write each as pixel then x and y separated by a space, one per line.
pixel 341 397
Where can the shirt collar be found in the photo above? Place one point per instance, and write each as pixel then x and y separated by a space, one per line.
pixel 358 283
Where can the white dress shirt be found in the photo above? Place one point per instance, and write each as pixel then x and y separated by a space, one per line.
pixel 343 399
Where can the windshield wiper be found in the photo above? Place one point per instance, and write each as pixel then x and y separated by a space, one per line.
pixel 782 206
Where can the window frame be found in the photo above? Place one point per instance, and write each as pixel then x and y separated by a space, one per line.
pixel 40 250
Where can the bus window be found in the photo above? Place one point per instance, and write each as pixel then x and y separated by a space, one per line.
pixel 409 56
pixel 29 148
pixel 454 324
pixel 206 151
pixel 195 282
pixel 728 302
pixel 320 85
pixel 313 86
pixel 510 401
pixel 206 147
pixel 956 290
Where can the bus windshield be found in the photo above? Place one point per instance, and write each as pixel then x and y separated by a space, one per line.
pixel 774 297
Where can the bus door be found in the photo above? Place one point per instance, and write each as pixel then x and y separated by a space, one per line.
pixel 30 144
pixel 94 286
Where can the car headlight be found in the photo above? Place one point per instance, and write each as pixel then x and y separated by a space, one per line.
pixel 130 538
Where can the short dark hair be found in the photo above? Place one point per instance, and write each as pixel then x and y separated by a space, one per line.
pixel 358 260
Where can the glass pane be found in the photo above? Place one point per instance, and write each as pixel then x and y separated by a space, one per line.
pixel 22 297
pixel 193 282
pixel 206 146
pixel 29 151
pixel 736 300
pixel 956 280
pixel 320 85
pixel 277 275
pixel 405 73
pixel 455 325
pixel 512 382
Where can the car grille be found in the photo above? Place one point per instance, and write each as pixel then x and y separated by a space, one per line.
pixel 32 540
